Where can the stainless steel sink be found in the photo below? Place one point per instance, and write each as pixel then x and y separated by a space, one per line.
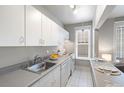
pixel 39 67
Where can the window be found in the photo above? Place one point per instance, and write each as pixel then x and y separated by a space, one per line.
pixel 119 40
pixel 83 42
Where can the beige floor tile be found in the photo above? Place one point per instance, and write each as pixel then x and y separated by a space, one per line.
pixel 80 78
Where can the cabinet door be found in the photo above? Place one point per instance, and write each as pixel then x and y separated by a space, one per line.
pixel 56 77
pixel 33 26
pixel 49 32
pixel 65 73
pixel 46 34
pixel 12 25
pixel 61 36
pixel 54 34
pixel 73 65
pixel 52 79
pixel 65 34
pixel 69 67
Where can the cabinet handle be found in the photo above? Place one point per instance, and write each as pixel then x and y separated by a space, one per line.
pixel 21 40
pixel 41 41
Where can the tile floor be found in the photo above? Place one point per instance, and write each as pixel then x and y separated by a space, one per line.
pixel 81 77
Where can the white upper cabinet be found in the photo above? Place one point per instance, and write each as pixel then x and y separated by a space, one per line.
pixel 33 26
pixel 63 35
pixel 66 34
pixel 26 26
pixel 45 31
pixel 12 25
pixel 50 32
pixel 55 34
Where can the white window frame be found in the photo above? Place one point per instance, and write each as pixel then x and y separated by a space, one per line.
pixel 89 43
pixel 117 24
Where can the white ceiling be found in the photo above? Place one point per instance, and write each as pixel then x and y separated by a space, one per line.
pixel 65 14
pixel 117 12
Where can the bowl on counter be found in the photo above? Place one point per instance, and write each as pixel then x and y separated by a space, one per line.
pixel 54 57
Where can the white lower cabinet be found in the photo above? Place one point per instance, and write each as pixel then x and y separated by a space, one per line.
pixel 65 72
pixel 72 64
pixel 57 77
pixel 52 79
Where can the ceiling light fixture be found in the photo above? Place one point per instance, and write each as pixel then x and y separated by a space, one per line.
pixel 74 8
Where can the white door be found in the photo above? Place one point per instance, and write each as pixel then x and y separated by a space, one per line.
pixel 33 26
pixel 12 25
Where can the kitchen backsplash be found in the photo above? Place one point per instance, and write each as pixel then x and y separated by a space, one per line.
pixel 14 55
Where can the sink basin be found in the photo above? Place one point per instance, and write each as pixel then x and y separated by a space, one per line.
pixel 40 67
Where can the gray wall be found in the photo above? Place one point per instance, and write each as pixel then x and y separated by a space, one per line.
pixel 106 37
pixel 71 29
pixel 105 33
pixel 14 55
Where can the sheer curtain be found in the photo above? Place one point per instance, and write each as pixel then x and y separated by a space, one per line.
pixel 119 40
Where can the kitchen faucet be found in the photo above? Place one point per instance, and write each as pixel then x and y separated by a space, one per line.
pixel 37 59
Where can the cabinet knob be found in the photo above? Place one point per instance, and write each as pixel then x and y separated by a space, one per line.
pixel 41 41
pixel 21 40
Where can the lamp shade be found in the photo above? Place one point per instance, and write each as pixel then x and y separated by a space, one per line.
pixel 107 57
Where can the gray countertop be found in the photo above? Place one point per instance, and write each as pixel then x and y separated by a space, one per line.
pixel 22 78
pixel 17 78
pixel 99 77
